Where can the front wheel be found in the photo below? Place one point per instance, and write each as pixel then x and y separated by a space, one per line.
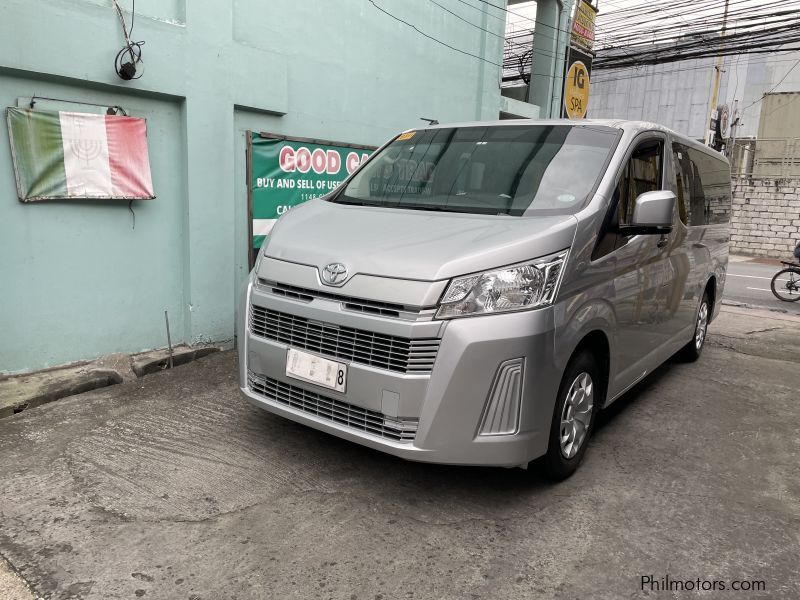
pixel 786 285
pixel 578 400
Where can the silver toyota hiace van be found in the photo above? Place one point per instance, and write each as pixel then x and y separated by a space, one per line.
pixel 476 293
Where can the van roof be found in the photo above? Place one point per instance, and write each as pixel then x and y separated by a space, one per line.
pixel 632 127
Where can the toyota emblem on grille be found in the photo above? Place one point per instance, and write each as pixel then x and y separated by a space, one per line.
pixel 334 273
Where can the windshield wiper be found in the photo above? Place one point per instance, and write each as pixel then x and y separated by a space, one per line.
pixel 344 200
pixel 341 200
pixel 427 207
pixel 451 209
pixel 430 207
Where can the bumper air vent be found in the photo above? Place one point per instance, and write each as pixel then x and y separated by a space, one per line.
pixel 501 415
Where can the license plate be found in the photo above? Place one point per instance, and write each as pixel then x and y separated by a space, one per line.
pixel 315 369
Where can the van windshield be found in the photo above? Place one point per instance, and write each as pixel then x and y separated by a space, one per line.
pixel 519 170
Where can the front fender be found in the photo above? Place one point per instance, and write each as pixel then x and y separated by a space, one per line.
pixel 577 318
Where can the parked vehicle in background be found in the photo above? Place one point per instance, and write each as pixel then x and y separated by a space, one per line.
pixel 475 294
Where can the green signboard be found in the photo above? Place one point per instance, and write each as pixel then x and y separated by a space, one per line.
pixel 285 172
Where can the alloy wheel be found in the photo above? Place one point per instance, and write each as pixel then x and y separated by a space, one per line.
pixel 702 325
pixel 576 414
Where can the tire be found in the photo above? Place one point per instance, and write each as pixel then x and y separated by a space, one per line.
pixel 778 287
pixel 692 351
pixel 563 457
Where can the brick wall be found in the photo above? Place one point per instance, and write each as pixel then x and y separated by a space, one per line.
pixel 766 217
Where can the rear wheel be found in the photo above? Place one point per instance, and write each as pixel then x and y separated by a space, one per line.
pixel 573 417
pixel 692 351
pixel 786 285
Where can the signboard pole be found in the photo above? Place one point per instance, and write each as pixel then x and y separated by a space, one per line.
pixel 251 254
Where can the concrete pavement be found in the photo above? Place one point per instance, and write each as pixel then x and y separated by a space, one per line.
pixel 170 486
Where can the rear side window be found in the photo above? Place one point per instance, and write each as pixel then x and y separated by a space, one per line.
pixel 703 187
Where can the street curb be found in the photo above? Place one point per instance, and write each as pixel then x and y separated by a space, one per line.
pixel 19 393
pixel 78 384
pixel 180 356
pixel 753 306
pixel 764 312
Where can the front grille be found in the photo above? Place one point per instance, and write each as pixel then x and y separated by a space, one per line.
pixel 369 421
pixel 394 353
pixel 385 309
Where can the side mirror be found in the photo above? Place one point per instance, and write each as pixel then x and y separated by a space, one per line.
pixel 652 214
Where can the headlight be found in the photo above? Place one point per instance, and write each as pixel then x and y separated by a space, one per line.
pixel 530 285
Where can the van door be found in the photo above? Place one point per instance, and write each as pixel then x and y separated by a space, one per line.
pixel 701 183
pixel 639 290
pixel 688 259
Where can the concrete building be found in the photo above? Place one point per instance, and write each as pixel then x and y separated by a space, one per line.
pixel 678 94
pixel 79 278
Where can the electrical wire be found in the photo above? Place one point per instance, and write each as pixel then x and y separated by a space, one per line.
pixel 457 16
pixel 701 12
pixel 127 70
pixel 511 12
pixel 430 37
pixel 628 37
pixel 480 10
pixel 698 26
pixel 504 66
pixel 613 77
pixel 767 39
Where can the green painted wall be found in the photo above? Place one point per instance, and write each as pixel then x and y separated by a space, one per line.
pixel 76 279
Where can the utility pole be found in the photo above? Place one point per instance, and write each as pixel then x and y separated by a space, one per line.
pixel 717 77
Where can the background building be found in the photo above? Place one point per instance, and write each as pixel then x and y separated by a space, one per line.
pixel 81 278
pixel 762 139
pixel 677 94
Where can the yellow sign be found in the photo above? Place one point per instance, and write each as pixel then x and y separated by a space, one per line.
pixel 583 25
pixel 405 136
pixel 576 91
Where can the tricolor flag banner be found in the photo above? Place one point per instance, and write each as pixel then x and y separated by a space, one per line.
pixel 79 155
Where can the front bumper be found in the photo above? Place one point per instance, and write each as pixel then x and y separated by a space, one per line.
pixel 446 406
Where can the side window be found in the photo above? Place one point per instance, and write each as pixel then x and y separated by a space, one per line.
pixel 703 185
pixel 715 181
pixel 642 173
pixel 687 183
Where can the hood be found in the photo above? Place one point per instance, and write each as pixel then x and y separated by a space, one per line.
pixel 412 244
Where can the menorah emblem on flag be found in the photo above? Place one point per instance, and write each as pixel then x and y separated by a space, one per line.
pixel 86 150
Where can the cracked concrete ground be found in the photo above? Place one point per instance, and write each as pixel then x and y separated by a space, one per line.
pixel 172 487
